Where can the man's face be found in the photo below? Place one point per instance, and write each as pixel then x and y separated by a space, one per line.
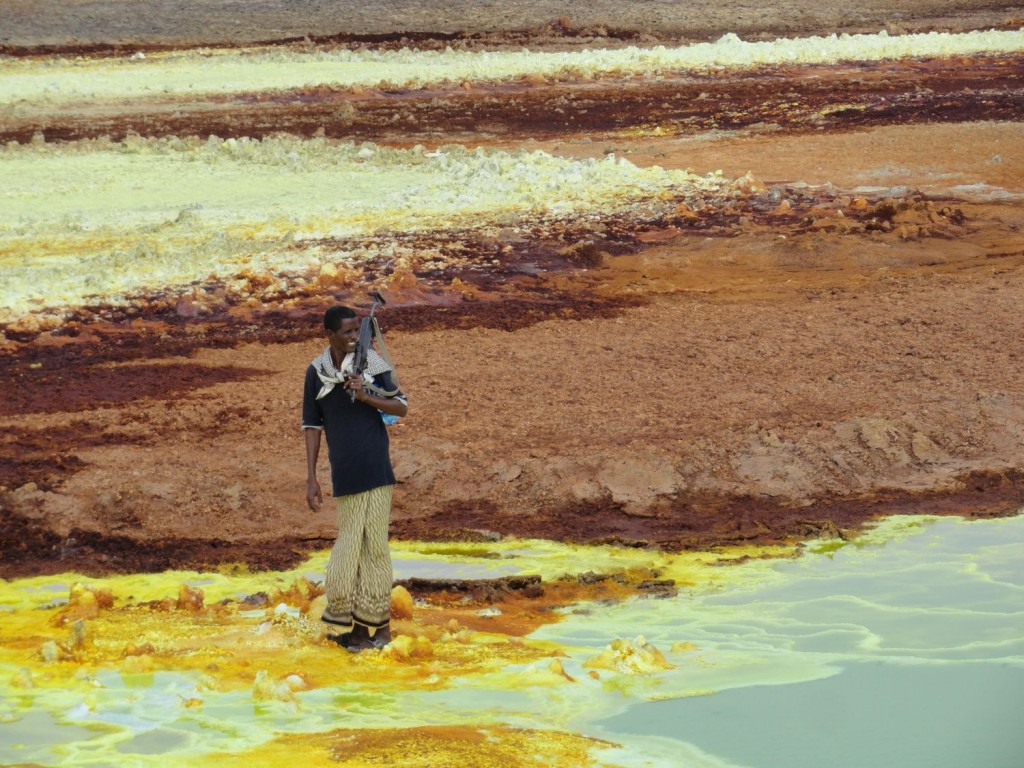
pixel 344 339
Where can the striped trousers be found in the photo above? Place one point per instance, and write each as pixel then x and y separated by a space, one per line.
pixel 358 581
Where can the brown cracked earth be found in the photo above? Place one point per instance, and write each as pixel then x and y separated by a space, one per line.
pixel 841 343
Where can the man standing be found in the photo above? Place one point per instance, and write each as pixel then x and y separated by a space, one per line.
pixel 348 408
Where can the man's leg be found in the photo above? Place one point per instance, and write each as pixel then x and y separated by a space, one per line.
pixel 343 565
pixel 372 604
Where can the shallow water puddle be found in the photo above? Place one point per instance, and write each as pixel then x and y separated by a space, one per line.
pixel 903 648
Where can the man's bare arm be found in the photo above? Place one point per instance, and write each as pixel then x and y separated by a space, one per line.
pixel 389 405
pixel 314 496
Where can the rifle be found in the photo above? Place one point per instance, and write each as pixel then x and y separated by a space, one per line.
pixel 369 331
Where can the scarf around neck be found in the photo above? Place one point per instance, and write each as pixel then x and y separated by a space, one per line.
pixel 331 376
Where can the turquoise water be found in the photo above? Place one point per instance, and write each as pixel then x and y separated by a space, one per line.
pixel 870 714
pixel 905 652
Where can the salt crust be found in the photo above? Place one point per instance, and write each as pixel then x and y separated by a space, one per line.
pixel 214 71
pixel 98 221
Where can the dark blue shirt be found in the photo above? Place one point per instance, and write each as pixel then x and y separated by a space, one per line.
pixel 357 439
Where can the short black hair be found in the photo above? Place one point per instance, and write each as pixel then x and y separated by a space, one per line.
pixel 334 316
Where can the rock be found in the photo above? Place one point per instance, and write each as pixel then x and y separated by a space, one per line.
pixel 189 599
pixel 265 688
pixel 400 648
pixel 422 648
pixel 749 184
pixel 138 664
pixel 50 652
pixel 638 480
pixel 466 291
pixel 318 606
pixel 925 449
pixel 78 634
pixel 684 647
pixel 401 603
pixel 256 600
pixel 506 473
pixel 22 679
pixel 526 584
pixel 296 682
pixel 138 650
pixel 883 436
pixel 658 587
pixel 25 326
pixel 557 667
pixel 83 603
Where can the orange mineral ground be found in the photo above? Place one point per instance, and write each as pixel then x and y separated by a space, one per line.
pixel 767 294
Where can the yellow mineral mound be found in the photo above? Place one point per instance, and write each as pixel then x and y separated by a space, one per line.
pixel 629 658
pixel 265 688
pixel 405 647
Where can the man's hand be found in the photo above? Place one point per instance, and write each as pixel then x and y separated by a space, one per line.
pixel 354 384
pixel 314 496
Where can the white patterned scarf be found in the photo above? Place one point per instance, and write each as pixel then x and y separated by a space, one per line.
pixel 331 376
